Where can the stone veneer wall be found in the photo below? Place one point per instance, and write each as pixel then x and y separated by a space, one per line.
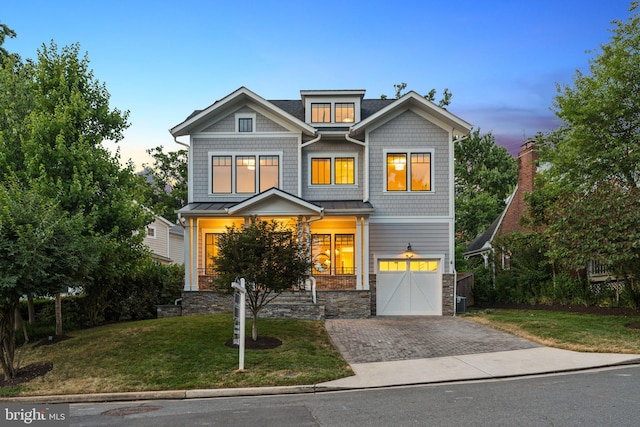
pixel 331 304
pixel 351 304
pixel 205 302
pixel 169 310
pixel 448 306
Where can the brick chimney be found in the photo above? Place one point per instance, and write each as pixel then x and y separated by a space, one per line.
pixel 527 167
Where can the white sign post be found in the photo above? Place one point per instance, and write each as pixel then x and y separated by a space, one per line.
pixel 239 318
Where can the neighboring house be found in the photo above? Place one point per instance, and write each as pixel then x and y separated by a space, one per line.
pixel 166 241
pixel 516 207
pixel 369 182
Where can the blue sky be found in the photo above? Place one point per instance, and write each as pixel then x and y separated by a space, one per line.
pixel 163 59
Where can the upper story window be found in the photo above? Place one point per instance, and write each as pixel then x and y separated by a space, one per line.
pixel 338 112
pixel 321 113
pixel 408 171
pixel 333 170
pixel 245 122
pixel 345 112
pixel 151 231
pixel 244 173
pixel 332 108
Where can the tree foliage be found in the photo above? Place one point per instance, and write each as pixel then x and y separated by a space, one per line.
pixel 42 252
pixel 485 175
pixel 398 88
pixel 54 118
pixel 268 255
pixel 589 196
pixel 600 138
pixel 165 182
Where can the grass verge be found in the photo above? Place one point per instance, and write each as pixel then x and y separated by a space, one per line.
pixel 181 353
pixel 566 330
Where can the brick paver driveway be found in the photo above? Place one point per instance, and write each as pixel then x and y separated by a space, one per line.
pixel 384 339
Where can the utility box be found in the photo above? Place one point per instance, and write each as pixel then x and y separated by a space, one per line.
pixel 461 305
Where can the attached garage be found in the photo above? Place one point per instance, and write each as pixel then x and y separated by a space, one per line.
pixel 407 287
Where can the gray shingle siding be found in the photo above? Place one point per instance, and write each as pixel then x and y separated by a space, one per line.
pixel 227 124
pixel 410 130
pixel 203 146
pixel 339 192
pixel 425 237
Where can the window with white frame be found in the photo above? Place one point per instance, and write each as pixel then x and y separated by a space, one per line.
pixel 151 232
pixel 244 173
pixel 408 171
pixel 333 254
pixel 332 169
pixel 245 122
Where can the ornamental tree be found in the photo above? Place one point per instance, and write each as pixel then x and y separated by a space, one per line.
pixel 268 255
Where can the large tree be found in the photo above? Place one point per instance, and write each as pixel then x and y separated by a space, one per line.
pixel 268 255
pixel 590 191
pixel 165 182
pixel 485 175
pixel 54 118
pixel 600 137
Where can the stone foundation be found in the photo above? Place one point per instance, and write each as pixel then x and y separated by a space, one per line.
pixel 170 310
pixel 331 304
pixel 448 304
pixel 351 304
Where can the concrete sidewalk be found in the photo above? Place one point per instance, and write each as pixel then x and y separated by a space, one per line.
pixel 502 364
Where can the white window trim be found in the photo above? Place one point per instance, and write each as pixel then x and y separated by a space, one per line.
pixel 409 152
pixel 333 157
pixel 333 100
pixel 155 232
pixel 233 155
pixel 239 116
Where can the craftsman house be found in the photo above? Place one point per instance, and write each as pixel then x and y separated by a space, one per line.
pixel 368 181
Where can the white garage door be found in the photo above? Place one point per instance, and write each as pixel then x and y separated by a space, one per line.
pixel 409 287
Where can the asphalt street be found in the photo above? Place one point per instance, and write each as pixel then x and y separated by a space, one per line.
pixel 602 397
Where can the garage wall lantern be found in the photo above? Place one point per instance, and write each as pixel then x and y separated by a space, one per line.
pixel 409 253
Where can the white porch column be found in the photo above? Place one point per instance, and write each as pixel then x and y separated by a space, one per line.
pixel 187 254
pixel 365 253
pixel 193 257
pixel 359 246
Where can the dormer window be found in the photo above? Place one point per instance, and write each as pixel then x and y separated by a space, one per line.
pixel 332 108
pixel 321 113
pixel 345 112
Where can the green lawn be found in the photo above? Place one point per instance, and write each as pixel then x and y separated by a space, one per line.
pixel 566 330
pixel 181 353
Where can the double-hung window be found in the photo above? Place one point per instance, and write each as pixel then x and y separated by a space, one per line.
pixel 408 170
pixel 244 173
pixel 333 169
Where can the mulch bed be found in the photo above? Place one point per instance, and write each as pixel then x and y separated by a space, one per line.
pixel 27 373
pixel 262 343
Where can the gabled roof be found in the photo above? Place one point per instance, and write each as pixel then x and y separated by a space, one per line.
pixel 414 100
pixel 275 202
pixel 233 101
pixel 483 242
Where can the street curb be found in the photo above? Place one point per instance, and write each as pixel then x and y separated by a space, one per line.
pixel 162 395
pixel 268 391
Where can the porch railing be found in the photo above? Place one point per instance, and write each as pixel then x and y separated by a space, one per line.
pixel 324 281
